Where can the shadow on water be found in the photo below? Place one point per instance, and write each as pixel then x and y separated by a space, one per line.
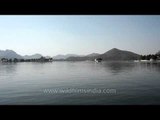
pixel 116 67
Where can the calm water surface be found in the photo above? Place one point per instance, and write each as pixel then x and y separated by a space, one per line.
pixel 25 83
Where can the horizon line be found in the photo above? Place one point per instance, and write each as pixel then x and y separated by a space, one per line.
pixel 73 53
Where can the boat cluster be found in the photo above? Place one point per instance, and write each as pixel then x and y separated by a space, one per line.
pixel 98 60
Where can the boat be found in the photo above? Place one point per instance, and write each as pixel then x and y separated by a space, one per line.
pixel 98 60
pixel 136 60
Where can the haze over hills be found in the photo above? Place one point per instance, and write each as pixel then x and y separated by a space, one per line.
pixel 72 58
pixel 83 57
pixel 60 56
pixel 93 55
pixel 9 54
pixel 158 53
pixel 34 56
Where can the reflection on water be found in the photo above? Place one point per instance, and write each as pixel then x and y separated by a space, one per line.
pixel 116 67
pixel 7 69
pixel 136 83
pixel 150 66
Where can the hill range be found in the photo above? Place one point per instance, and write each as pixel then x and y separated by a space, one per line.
pixel 113 54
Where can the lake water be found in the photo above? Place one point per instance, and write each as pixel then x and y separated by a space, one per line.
pixel 80 83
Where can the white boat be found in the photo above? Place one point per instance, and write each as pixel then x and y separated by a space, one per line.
pixel 98 60
pixel 144 60
pixel 136 60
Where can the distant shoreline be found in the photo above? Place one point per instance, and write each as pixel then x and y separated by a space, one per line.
pixel 42 59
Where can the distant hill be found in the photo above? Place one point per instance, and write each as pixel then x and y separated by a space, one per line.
pixel 78 58
pixel 113 54
pixel 158 53
pixel 9 54
pixel 93 55
pixel 47 56
pixel 116 54
pixel 65 56
pixel 34 56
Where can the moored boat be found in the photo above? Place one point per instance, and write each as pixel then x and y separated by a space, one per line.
pixel 98 60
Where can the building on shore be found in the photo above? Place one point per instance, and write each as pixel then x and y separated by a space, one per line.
pixel 4 60
pixel 42 59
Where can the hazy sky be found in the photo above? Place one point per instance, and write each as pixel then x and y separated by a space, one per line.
pixel 52 35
